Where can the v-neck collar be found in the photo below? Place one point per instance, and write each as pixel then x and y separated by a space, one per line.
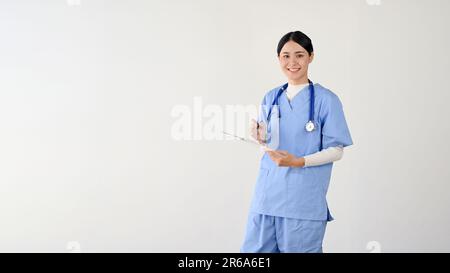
pixel 292 102
pixel 293 90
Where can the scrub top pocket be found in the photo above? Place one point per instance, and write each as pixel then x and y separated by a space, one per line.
pixel 302 191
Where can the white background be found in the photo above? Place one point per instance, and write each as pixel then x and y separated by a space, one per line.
pixel 86 93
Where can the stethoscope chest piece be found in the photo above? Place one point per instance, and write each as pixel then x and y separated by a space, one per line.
pixel 310 126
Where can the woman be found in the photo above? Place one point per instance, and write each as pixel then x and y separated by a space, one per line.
pixel 306 123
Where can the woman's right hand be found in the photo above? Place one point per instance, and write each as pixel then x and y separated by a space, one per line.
pixel 258 131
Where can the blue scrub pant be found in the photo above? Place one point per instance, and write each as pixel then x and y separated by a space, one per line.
pixel 272 234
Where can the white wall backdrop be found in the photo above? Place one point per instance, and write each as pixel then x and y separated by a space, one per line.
pixel 87 90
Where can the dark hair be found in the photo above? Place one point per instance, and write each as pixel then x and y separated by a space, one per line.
pixel 299 37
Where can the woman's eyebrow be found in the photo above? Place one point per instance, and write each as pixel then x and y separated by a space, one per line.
pixel 294 52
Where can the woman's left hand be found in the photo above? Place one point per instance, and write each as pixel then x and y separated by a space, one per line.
pixel 285 159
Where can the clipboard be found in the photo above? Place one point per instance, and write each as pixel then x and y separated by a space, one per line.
pixel 248 141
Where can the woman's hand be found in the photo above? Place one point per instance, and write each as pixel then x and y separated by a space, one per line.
pixel 285 159
pixel 258 131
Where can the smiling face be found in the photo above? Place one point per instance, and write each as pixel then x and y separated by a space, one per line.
pixel 294 61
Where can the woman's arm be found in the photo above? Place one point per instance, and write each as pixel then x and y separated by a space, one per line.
pixel 285 159
pixel 325 156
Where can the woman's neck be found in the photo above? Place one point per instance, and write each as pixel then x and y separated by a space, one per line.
pixel 299 81
pixel 298 84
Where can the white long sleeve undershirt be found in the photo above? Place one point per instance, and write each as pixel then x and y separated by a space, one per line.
pixel 325 156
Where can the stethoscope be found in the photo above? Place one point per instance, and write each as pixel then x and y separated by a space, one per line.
pixel 310 124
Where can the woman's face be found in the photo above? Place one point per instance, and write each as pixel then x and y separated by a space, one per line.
pixel 294 61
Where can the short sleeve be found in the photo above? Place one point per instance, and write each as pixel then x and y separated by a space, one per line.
pixel 335 131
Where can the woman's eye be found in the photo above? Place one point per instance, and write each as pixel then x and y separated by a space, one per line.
pixel 299 56
pixel 286 56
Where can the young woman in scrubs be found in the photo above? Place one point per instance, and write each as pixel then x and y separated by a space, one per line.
pixel 289 210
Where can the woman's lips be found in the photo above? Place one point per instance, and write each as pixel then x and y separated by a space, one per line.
pixel 293 69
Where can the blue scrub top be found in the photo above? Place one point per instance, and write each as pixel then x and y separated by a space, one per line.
pixel 294 192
